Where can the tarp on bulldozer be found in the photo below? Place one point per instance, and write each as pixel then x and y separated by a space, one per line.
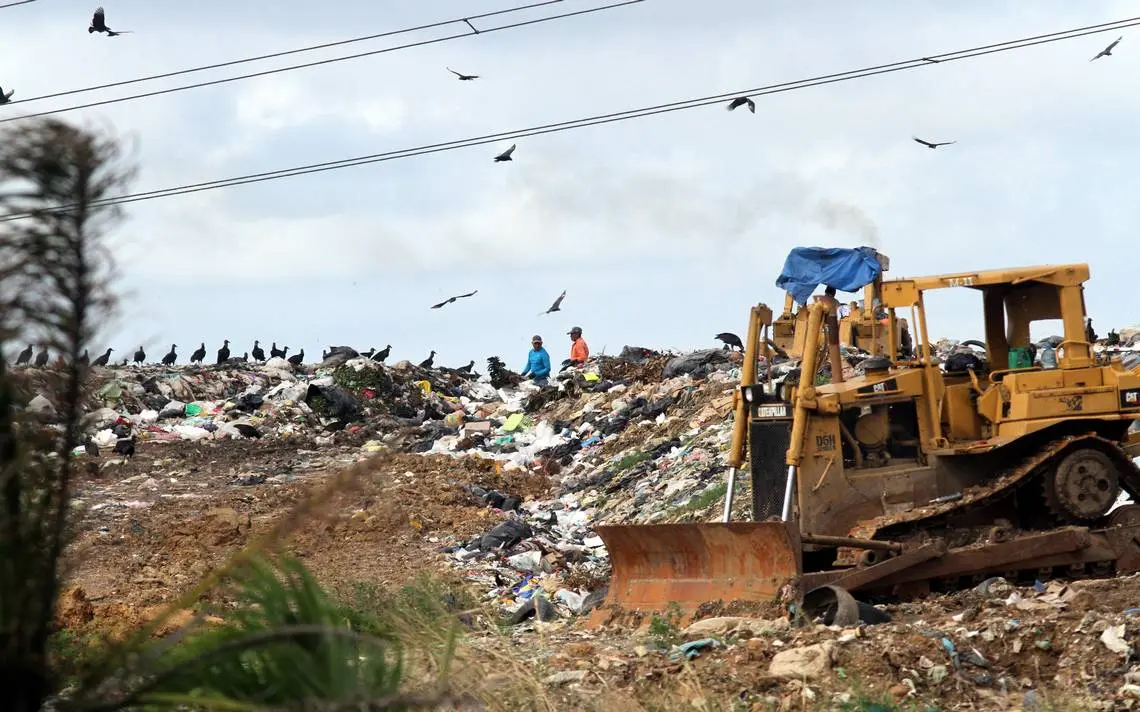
pixel 846 269
pixel 655 565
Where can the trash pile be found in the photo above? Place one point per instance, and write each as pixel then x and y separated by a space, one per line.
pixel 277 399
pixel 644 448
pixel 996 646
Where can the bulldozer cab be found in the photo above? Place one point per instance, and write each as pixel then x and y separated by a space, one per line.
pixel 862 325
pixel 875 450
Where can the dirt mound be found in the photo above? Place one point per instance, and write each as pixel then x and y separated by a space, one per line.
pixel 158 524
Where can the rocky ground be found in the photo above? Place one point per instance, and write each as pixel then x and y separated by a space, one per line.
pixel 622 444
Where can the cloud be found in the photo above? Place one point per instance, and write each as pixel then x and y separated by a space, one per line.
pixel 660 228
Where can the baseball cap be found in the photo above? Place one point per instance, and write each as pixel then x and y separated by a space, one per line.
pixel 575 330
pixel 535 338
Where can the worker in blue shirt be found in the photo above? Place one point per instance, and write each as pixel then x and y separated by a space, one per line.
pixel 537 362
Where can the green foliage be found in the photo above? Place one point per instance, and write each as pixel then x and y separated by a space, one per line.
pixel 700 501
pixel 664 629
pixel 355 381
pixel 631 461
pixel 71 654
pixel 286 641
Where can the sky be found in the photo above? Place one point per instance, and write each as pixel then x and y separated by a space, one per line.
pixel 662 230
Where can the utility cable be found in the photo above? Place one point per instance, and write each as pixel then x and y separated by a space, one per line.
pixel 14 4
pixel 925 61
pixel 470 32
pixel 284 53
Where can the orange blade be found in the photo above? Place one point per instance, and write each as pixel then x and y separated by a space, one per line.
pixel 690 564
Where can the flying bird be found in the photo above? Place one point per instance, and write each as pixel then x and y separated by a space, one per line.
pixel 6 96
pixel 452 299
pixel 557 305
pixel 506 155
pixel 730 339
pixel 463 77
pixel 741 101
pixel 930 144
pixel 1107 51
pixel 99 24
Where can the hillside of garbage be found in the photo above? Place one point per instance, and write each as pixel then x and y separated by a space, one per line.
pixel 500 482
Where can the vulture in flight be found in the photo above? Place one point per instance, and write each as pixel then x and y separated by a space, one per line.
pixel 1107 51
pixel 463 77
pixel 506 155
pixel 99 24
pixel 445 302
pixel 931 144
pixel 557 305
pixel 742 101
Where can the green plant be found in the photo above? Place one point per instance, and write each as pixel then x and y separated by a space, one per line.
pixel 664 629
pixel 700 501
pixel 631 460
pixel 72 653
pixel 355 381
pixel 286 640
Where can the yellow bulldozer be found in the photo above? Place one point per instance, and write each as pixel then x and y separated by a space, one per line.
pixel 862 327
pixel 914 475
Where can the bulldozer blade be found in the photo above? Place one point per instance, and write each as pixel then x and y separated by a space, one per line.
pixel 656 565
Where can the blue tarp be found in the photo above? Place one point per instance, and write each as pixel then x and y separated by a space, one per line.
pixel 846 269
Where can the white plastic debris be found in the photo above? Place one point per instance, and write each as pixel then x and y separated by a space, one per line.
pixel 41 405
pixel 1113 639
pixel 191 432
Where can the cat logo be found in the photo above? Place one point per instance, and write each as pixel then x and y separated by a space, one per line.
pixel 880 387
pixel 1132 397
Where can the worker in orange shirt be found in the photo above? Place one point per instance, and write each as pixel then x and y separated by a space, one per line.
pixel 579 351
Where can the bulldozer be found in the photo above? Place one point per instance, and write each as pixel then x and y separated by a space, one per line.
pixel 912 476
pixel 862 327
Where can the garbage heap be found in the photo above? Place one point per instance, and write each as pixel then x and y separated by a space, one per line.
pixel 643 443
pixel 274 399
pixel 997 646
pixel 636 438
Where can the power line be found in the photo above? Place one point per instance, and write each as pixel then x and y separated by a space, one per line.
pixel 471 32
pixel 274 55
pixel 14 4
pixel 925 61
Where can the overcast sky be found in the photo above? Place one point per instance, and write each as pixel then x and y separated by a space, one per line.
pixel 663 230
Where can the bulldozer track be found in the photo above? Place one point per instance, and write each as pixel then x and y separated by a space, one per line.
pixel 1006 485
